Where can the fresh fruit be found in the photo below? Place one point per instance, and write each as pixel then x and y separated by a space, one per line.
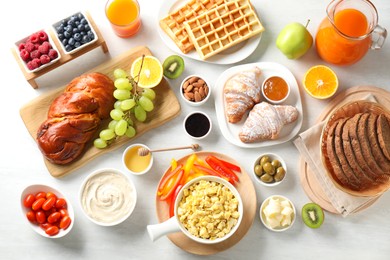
pixel 147 71
pixel 312 215
pixel 294 40
pixel 75 31
pixel 320 82
pixel 173 66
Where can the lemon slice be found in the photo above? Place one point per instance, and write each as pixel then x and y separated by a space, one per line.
pixel 150 74
pixel 320 82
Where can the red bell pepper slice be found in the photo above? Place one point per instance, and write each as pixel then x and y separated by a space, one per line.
pixel 171 186
pixel 231 166
pixel 173 199
pixel 213 173
pixel 218 166
pixel 167 177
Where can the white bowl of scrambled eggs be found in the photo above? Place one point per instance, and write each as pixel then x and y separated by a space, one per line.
pixel 208 210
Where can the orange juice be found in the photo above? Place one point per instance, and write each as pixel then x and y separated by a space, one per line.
pixel 124 17
pixel 344 42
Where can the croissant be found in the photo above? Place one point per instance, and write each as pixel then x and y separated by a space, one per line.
pixel 74 117
pixel 265 122
pixel 242 91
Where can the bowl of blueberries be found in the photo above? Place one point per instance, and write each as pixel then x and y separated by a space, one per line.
pixel 75 32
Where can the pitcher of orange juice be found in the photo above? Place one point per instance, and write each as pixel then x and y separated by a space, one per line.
pixel 349 31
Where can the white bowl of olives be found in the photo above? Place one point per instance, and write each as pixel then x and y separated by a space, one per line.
pixel 269 169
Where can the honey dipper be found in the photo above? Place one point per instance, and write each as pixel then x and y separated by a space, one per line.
pixel 142 151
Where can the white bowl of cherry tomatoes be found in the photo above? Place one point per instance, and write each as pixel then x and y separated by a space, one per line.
pixel 47 210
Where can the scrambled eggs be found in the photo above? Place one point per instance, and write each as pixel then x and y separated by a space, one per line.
pixel 208 210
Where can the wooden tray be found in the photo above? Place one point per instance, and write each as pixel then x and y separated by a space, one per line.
pixel 309 183
pixel 248 194
pixel 166 108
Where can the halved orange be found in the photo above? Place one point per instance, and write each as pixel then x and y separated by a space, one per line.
pixel 320 82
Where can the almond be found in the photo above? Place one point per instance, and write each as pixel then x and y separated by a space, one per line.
pixel 189 96
pixel 198 98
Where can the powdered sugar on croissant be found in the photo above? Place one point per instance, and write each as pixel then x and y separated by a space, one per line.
pixel 242 91
pixel 265 121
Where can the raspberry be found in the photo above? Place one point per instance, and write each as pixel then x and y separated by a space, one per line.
pixel 53 54
pixel 44 59
pixel 33 64
pixel 25 55
pixel 44 48
pixel 35 54
pixel 21 46
pixel 43 36
pixel 29 46
pixel 34 38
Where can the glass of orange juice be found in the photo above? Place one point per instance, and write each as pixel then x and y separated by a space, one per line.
pixel 349 31
pixel 124 16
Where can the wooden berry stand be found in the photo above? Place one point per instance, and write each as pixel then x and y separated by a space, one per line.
pixel 31 76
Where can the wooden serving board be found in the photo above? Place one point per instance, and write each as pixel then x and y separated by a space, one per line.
pixel 248 195
pixel 311 186
pixel 166 108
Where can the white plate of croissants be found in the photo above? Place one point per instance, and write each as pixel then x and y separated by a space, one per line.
pixel 245 118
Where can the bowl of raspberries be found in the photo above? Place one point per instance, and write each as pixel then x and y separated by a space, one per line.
pixel 37 51
pixel 75 32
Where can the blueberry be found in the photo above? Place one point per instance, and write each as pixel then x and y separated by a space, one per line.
pixel 83 33
pixel 77 44
pixel 64 42
pixel 91 35
pixel 69 29
pixel 67 34
pixel 71 41
pixel 83 21
pixel 77 36
pixel 75 30
pixel 60 28
pixel 80 27
pixel 68 48
pixel 61 36
pixel 80 16
pixel 87 27
pixel 85 39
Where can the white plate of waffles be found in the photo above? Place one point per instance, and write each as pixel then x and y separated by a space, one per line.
pixel 231 131
pixel 231 55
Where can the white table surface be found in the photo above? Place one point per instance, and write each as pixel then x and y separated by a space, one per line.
pixel 360 236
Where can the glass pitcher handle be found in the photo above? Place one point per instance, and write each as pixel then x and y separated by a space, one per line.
pixel 378 37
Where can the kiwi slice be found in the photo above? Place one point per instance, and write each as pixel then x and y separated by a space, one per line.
pixel 173 66
pixel 312 215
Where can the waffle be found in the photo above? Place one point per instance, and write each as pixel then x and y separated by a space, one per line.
pixel 223 27
pixel 173 23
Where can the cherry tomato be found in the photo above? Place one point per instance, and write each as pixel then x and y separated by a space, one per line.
pixel 50 194
pixel 49 203
pixel 31 216
pixel 45 226
pixel 61 203
pixel 52 231
pixel 40 216
pixel 37 205
pixel 53 217
pixel 40 194
pixel 64 212
pixel 29 200
pixel 65 222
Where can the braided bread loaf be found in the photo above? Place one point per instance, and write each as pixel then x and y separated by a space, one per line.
pixel 74 117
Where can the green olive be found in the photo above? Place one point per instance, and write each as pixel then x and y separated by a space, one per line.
pixel 264 159
pixel 266 178
pixel 258 170
pixel 276 163
pixel 280 173
pixel 268 168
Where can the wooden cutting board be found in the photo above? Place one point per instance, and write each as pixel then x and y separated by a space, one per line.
pixel 166 108
pixel 310 185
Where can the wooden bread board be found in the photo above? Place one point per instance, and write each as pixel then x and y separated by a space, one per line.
pixel 166 108
pixel 311 186
pixel 248 195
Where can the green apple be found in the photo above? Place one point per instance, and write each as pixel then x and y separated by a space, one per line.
pixel 294 40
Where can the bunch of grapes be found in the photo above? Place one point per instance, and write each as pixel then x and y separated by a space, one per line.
pixel 131 101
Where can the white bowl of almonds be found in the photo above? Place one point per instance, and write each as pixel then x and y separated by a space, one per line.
pixel 195 90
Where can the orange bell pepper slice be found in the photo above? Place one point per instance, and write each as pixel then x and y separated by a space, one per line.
pixel 170 187
pixel 167 177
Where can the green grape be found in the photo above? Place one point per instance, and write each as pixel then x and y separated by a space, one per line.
pixel 127 104
pixel 112 124
pixel 146 103
pixel 123 83
pixel 121 127
pixel 130 132
pixel 117 104
pixel 116 114
pixel 99 143
pixel 120 73
pixel 139 113
pixel 128 120
pixel 149 93
pixel 122 94
pixel 107 134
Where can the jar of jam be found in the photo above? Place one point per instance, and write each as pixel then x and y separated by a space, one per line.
pixel 275 89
